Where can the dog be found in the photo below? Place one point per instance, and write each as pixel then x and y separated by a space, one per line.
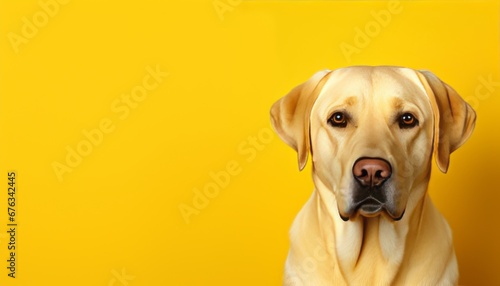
pixel 372 132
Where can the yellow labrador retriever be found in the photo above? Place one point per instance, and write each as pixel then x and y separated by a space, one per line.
pixel 372 132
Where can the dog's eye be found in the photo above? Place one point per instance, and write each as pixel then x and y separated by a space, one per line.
pixel 338 119
pixel 407 120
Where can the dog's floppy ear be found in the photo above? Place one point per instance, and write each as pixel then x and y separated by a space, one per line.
pixel 454 119
pixel 290 115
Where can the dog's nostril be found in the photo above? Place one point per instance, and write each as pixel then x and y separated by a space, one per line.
pixel 378 174
pixel 364 173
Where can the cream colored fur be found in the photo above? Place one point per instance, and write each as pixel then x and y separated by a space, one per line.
pixel 375 250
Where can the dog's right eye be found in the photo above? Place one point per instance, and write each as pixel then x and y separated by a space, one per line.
pixel 338 119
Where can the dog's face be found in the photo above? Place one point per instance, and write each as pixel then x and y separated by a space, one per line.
pixel 372 132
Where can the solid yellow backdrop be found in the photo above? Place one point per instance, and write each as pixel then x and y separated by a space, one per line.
pixel 139 131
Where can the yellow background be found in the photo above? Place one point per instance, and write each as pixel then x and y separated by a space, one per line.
pixel 117 213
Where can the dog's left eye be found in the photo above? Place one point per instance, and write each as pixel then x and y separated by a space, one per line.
pixel 338 119
pixel 407 120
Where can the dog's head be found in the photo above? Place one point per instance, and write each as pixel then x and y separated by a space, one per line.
pixel 372 132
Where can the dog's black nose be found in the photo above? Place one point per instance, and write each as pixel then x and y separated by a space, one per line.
pixel 370 172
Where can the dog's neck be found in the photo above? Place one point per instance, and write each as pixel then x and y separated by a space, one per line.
pixel 356 247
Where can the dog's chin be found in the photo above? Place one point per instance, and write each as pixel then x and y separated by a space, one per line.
pixel 371 210
pixel 368 213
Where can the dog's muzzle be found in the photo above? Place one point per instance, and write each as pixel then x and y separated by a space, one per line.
pixel 369 195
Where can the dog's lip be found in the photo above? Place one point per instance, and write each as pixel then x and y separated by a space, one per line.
pixel 369 207
pixel 369 202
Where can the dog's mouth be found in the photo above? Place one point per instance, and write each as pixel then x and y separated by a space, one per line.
pixel 369 207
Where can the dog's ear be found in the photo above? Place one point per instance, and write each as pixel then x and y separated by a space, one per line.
pixel 290 115
pixel 454 119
